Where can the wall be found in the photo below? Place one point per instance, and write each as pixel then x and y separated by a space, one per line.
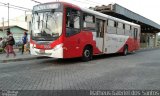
pixel 17 33
pixel 148 40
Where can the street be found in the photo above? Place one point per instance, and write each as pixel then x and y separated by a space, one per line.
pixel 138 70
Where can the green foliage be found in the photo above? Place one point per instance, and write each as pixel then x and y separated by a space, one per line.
pixel 1 50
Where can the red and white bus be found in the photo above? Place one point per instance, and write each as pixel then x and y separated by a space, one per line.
pixel 64 30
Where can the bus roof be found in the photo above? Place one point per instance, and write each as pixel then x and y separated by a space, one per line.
pixel 96 13
pixel 101 14
pixel 107 16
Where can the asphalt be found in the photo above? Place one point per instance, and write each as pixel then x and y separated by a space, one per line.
pixel 137 71
pixel 27 56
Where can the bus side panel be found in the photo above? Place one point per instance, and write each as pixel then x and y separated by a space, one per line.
pixel 74 45
pixel 132 45
pixel 129 43
pixel 114 43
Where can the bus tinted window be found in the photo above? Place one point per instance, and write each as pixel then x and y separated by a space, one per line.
pixel 72 18
pixel 135 33
pixel 111 23
pixel 120 25
pixel 100 27
pixel 127 27
pixel 72 21
pixel 88 18
pixel 127 30
pixel 88 22
pixel 123 26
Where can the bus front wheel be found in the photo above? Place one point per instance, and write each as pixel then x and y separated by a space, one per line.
pixel 87 54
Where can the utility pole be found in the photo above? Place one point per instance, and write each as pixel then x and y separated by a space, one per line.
pixel 8 16
pixel 25 16
pixel 3 24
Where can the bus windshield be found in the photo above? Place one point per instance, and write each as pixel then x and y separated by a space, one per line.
pixel 46 25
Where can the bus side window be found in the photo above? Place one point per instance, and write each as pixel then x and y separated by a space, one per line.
pixel 135 33
pixel 88 22
pixel 120 28
pixel 131 31
pixel 100 27
pixel 127 30
pixel 72 21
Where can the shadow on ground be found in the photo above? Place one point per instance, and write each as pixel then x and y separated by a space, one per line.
pixel 79 61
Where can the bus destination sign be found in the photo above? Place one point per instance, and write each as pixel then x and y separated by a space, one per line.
pixel 46 6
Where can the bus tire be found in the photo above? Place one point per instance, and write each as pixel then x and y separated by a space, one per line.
pixel 87 54
pixel 125 50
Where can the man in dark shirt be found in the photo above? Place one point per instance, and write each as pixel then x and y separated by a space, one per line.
pixel 24 41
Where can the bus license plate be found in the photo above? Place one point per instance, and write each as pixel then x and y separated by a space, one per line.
pixel 42 51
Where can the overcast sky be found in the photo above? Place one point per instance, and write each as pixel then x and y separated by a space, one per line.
pixel 146 8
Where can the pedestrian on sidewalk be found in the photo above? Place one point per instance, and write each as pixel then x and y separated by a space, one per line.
pixel 24 41
pixel 10 43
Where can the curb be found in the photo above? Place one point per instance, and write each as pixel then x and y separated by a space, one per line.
pixel 148 49
pixel 22 59
pixel 43 57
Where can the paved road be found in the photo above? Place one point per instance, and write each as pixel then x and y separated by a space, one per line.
pixel 135 71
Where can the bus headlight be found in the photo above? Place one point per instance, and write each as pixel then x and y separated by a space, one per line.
pixel 58 46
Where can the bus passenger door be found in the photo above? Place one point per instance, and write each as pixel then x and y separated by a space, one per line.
pixel 72 41
pixel 100 34
pixel 135 33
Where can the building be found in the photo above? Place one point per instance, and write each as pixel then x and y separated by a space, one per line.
pixel 17 26
pixel 149 29
pixel 17 32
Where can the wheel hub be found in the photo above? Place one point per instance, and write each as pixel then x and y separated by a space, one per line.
pixel 87 53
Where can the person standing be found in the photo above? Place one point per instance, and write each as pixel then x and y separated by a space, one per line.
pixel 24 41
pixel 10 43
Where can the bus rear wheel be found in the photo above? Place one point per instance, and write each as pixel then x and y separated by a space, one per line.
pixel 125 50
pixel 87 54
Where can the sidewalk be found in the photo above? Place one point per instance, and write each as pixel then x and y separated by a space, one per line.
pixel 19 57
pixel 148 49
pixel 27 56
